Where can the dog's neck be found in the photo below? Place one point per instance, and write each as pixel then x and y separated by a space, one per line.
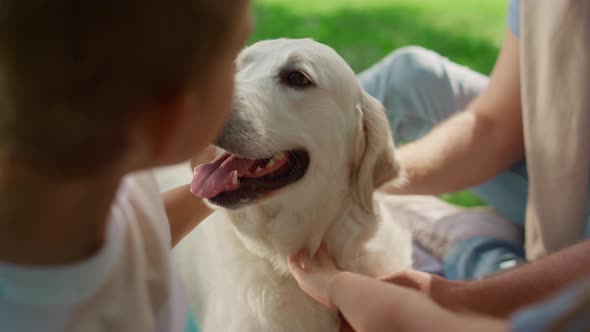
pixel 273 231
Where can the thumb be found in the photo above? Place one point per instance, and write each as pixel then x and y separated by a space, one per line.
pixel 294 263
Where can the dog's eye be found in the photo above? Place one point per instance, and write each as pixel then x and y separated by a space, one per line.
pixel 296 79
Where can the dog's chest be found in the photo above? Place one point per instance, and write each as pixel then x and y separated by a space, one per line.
pixel 271 307
pixel 240 291
pixel 237 290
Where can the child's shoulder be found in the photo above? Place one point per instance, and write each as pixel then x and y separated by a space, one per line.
pixel 128 280
pixel 139 203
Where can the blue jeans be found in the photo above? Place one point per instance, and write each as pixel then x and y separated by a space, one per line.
pixel 419 89
pixel 568 311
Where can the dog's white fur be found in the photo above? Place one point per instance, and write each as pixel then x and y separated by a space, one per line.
pixel 234 264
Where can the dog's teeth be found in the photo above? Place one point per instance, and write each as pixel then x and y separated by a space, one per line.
pixel 270 163
pixel 279 157
pixel 258 170
pixel 234 179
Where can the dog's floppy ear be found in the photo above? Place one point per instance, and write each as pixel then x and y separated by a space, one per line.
pixel 375 147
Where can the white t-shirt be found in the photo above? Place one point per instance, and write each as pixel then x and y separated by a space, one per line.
pixel 127 286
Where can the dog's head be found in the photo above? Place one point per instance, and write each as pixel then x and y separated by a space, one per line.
pixel 301 127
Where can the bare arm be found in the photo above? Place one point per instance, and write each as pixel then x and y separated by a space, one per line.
pixel 512 290
pixel 185 211
pixel 474 145
pixel 504 293
pixel 370 305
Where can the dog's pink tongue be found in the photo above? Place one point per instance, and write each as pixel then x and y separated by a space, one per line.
pixel 213 178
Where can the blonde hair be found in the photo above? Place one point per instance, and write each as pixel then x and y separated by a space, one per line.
pixel 73 73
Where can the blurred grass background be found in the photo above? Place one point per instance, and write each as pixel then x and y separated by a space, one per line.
pixel 363 31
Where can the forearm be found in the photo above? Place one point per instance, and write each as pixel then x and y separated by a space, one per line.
pixel 185 211
pixel 390 308
pixel 462 152
pixel 474 145
pixel 507 292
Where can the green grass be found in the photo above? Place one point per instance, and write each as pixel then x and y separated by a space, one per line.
pixel 363 31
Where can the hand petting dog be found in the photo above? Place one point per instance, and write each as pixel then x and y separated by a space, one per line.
pixel 368 304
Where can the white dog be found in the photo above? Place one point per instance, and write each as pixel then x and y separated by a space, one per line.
pixel 303 151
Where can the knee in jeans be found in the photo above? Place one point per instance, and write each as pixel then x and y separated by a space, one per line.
pixel 412 67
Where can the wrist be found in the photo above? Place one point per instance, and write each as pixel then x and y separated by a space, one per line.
pixel 453 295
pixel 335 287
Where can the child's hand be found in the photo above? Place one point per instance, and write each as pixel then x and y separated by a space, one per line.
pixel 314 274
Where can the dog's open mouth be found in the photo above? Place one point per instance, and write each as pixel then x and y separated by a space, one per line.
pixel 231 180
